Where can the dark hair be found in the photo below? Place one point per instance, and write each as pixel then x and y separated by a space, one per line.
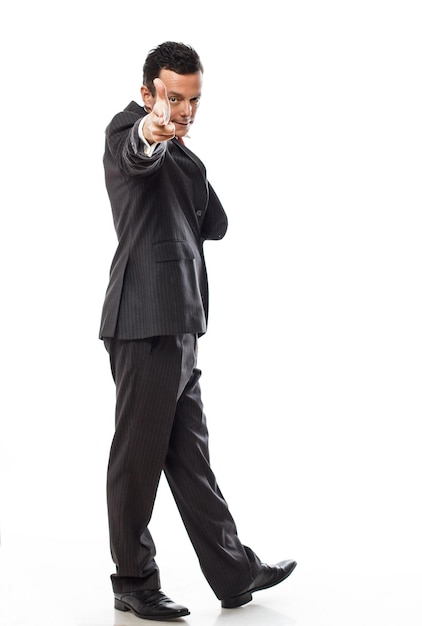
pixel 170 55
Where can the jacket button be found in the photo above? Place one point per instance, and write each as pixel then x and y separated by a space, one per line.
pixel 199 213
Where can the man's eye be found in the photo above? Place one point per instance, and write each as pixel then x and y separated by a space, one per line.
pixel 173 99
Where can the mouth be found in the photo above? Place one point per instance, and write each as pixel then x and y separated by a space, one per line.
pixel 185 124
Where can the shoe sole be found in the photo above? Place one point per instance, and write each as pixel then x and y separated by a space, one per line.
pixel 122 606
pixel 244 598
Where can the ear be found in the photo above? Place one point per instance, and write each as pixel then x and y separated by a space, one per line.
pixel 147 97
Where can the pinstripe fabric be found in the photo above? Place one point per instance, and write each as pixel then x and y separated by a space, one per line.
pixel 163 210
pixel 160 425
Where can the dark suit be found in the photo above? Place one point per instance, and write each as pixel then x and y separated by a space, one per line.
pixel 163 210
pixel 156 306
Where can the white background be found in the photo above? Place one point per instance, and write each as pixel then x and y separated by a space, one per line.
pixel 310 128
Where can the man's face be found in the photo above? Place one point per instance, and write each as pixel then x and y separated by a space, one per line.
pixel 183 92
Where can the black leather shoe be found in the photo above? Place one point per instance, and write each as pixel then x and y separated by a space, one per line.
pixel 268 576
pixel 149 604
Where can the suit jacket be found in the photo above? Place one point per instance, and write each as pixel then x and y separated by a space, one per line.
pixel 163 210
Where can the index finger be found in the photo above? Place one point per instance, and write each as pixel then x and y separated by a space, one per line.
pixel 162 105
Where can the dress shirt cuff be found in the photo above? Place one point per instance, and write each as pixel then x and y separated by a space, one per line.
pixel 148 148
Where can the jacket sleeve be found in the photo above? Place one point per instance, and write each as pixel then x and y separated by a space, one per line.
pixel 126 147
pixel 215 221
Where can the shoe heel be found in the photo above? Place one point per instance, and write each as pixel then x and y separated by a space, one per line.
pixel 232 603
pixel 119 605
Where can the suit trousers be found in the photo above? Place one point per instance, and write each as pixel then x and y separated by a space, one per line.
pixel 161 426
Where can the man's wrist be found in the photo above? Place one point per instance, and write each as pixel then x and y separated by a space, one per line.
pixel 148 148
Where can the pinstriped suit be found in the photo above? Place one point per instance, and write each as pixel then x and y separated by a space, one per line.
pixel 163 210
pixel 155 306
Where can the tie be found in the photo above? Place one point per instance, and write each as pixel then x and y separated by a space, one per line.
pixel 181 140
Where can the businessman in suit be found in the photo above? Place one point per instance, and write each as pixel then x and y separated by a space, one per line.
pixel 155 309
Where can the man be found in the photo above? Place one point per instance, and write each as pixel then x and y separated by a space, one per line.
pixel 156 307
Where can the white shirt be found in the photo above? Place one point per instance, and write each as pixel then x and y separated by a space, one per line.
pixel 148 148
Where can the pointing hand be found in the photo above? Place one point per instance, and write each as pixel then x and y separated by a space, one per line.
pixel 157 126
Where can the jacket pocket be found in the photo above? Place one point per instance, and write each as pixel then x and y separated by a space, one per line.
pixel 172 251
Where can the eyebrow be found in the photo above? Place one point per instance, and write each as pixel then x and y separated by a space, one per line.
pixel 180 95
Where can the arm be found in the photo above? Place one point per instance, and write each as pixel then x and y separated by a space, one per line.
pixel 126 148
pixel 137 144
pixel 215 222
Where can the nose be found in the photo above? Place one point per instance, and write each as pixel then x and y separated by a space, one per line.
pixel 186 108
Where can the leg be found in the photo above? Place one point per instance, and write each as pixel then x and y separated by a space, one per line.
pixel 228 566
pixel 147 380
pixel 233 570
